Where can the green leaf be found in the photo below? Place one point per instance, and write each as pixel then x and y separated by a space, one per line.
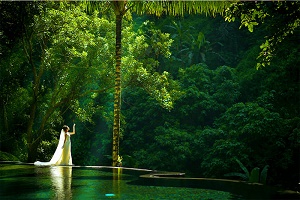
pixel 263 175
pixel 250 28
pixel 254 175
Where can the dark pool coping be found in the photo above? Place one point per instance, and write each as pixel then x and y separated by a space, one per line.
pixel 110 167
pixel 80 166
pixel 251 190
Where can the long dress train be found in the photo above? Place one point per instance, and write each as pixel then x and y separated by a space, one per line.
pixel 62 155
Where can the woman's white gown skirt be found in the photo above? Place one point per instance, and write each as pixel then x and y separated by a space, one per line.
pixel 62 155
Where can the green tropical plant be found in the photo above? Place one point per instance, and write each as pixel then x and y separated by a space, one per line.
pixel 263 175
pixel 253 176
pixel 7 157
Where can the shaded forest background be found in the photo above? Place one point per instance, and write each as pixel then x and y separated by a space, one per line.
pixel 193 100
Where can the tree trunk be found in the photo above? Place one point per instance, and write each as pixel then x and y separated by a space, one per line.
pixel 5 119
pixel 30 145
pixel 32 152
pixel 117 95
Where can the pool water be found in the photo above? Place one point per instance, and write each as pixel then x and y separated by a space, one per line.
pixel 26 181
pixel 19 181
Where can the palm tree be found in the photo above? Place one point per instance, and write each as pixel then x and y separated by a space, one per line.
pixel 119 10
pixel 158 8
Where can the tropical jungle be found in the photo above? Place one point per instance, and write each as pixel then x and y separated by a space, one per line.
pixel 211 89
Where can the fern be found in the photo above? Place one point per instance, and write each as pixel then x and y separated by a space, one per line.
pixel 244 176
pixel 243 168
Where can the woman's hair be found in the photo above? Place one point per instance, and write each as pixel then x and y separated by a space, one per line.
pixel 65 128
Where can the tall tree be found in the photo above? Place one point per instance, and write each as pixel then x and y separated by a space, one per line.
pixel 157 8
pixel 119 10
pixel 55 56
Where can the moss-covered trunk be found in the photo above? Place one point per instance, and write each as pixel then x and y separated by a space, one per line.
pixel 117 96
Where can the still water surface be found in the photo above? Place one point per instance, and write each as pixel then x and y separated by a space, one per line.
pixel 19 181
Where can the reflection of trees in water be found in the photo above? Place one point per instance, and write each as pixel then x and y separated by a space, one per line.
pixel 61 178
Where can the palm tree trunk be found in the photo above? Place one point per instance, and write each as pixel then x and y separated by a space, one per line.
pixel 117 95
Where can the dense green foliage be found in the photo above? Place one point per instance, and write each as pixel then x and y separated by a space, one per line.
pixel 8 157
pixel 193 99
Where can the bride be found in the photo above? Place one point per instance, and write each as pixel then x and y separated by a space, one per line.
pixel 62 155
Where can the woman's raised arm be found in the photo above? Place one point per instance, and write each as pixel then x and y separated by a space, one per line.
pixel 73 132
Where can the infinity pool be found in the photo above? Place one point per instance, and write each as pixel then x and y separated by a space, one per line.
pixel 23 181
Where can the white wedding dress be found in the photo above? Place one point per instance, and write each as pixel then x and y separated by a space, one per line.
pixel 62 155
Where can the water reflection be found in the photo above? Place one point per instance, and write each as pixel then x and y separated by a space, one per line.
pixel 61 178
pixel 65 182
pixel 117 177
